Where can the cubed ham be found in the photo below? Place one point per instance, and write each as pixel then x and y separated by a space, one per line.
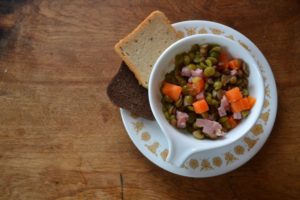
pixel 186 71
pixel 197 73
pixel 200 95
pixel 211 128
pixel 237 115
pixel 233 72
pixel 224 106
pixel 222 111
pixel 181 117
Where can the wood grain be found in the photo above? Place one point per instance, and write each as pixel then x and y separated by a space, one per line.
pixel 61 138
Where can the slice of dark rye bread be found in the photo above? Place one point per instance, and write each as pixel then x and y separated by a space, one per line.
pixel 125 92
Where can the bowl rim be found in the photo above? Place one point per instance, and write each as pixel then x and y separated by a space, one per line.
pixel 171 138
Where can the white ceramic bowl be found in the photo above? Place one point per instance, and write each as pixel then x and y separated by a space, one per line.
pixel 181 144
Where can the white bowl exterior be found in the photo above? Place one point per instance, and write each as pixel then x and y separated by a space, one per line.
pixel 181 145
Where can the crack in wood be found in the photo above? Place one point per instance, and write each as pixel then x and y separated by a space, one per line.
pixel 122 186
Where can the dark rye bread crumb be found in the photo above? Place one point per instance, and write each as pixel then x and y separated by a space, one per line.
pixel 125 92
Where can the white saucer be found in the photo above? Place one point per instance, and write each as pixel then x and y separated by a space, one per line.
pixel 148 138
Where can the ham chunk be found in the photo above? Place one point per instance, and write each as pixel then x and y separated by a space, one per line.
pixel 237 115
pixel 211 128
pixel 200 95
pixel 181 118
pixel 197 73
pixel 224 106
pixel 186 71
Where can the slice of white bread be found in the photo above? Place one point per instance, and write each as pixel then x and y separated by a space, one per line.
pixel 141 48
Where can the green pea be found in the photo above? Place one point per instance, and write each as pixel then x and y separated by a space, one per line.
pixel 191 108
pixel 192 66
pixel 223 119
pixel 170 109
pixel 217 85
pixel 185 89
pixel 167 115
pixel 225 79
pixel 233 80
pixel 208 94
pixel 214 102
pixel 209 100
pixel 245 92
pixel 214 54
pixel 203 50
pixel 198 66
pixel 172 117
pixel 173 120
pixel 186 60
pixel 208 62
pixel 224 122
pixel 188 100
pixel 197 59
pixel 191 55
pixel 245 69
pixel 198 134
pixel 202 65
pixel 180 80
pixel 167 99
pixel 178 103
pixel 226 125
pixel 213 60
pixel 206 86
pixel 215 49
pixel 192 118
pixel 209 71
pixel 245 113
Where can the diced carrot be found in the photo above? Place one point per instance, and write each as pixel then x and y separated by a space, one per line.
pixel 200 106
pixel 251 101
pixel 223 60
pixel 234 94
pixel 198 86
pixel 235 64
pixel 232 122
pixel 171 90
pixel 240 105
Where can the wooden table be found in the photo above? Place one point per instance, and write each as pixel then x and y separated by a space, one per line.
pixel 61 137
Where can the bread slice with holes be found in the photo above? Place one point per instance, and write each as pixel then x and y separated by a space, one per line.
pixel 141 48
